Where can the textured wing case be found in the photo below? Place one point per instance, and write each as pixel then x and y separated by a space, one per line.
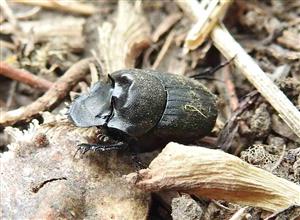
pixel 190 108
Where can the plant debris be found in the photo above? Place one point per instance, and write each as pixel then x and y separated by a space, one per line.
pixel 52 51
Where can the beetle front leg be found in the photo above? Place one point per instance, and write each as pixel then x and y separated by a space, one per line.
pixel 83 148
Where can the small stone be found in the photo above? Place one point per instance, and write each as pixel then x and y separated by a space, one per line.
pixel 260 122
pixel 185 208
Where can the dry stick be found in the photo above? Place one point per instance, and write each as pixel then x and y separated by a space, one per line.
pixel 28 14
pixel 165 25
pixel 49 100
pixel 163 50
pixel 24 77
pixel 217 175
pixel 71 7
pixel 233 100
pixel 287 111
pixel 239 215
pixel 209 12
pixel 247 66
pixel 8 13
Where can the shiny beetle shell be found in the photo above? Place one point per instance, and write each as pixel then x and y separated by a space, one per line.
pixel 147 106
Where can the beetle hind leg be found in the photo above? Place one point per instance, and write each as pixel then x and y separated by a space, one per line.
pixel 206 74
pixel 84 148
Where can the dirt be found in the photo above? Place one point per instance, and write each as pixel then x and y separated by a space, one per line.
pixel 42 44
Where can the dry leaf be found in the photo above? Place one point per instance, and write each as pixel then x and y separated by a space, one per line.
pixel 216 175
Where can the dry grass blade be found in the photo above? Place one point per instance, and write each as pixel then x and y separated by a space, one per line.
pixel 216 175
pixel 119 45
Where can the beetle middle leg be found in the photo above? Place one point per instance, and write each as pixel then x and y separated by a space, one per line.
pixel 137 162
pixel 84 147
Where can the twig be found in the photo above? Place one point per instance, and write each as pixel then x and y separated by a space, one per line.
pixel 209 13
pixel 24 77
pixel 28 14
pixel 165 25
pixel 287 111
pixel 233 100
pixel 6 44
pixel 68 6
pixel 292 212
pixel 247 66
pixel 240 214
pixel 226 136
pixel 216 175
pixel 49 100
pixel 280 159
pixel 8 13
pixel 11 93
pixel 163 50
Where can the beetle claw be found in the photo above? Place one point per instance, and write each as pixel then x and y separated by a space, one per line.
pixel 83 148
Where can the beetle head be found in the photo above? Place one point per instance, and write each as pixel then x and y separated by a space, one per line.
pixel 93 108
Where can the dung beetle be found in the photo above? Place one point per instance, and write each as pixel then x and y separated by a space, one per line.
pixel 145 109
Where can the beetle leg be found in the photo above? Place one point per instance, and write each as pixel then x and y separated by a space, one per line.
pixel 137 161
pixel 211 71
pixel 83 148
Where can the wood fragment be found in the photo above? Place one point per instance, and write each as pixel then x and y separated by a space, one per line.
pixel 290 213
pixel 120 44
pixel 28 14
pixel 230 129
pixel 69 6
pixel 240 214
pixel 248 67
pixel 163 50
pixel 11 93
pixel 216 175
pixel 24 77
pixel 49 100
pixel 165 25
pixel 290 39
pixel 9 13
pixel 209 13
pixel 233 99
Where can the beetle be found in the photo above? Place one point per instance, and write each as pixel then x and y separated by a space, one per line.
pixel 145 109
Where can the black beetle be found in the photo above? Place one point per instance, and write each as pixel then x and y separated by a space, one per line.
pixel 145 109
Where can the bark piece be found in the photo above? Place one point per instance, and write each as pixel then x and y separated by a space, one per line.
pixel 216 175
